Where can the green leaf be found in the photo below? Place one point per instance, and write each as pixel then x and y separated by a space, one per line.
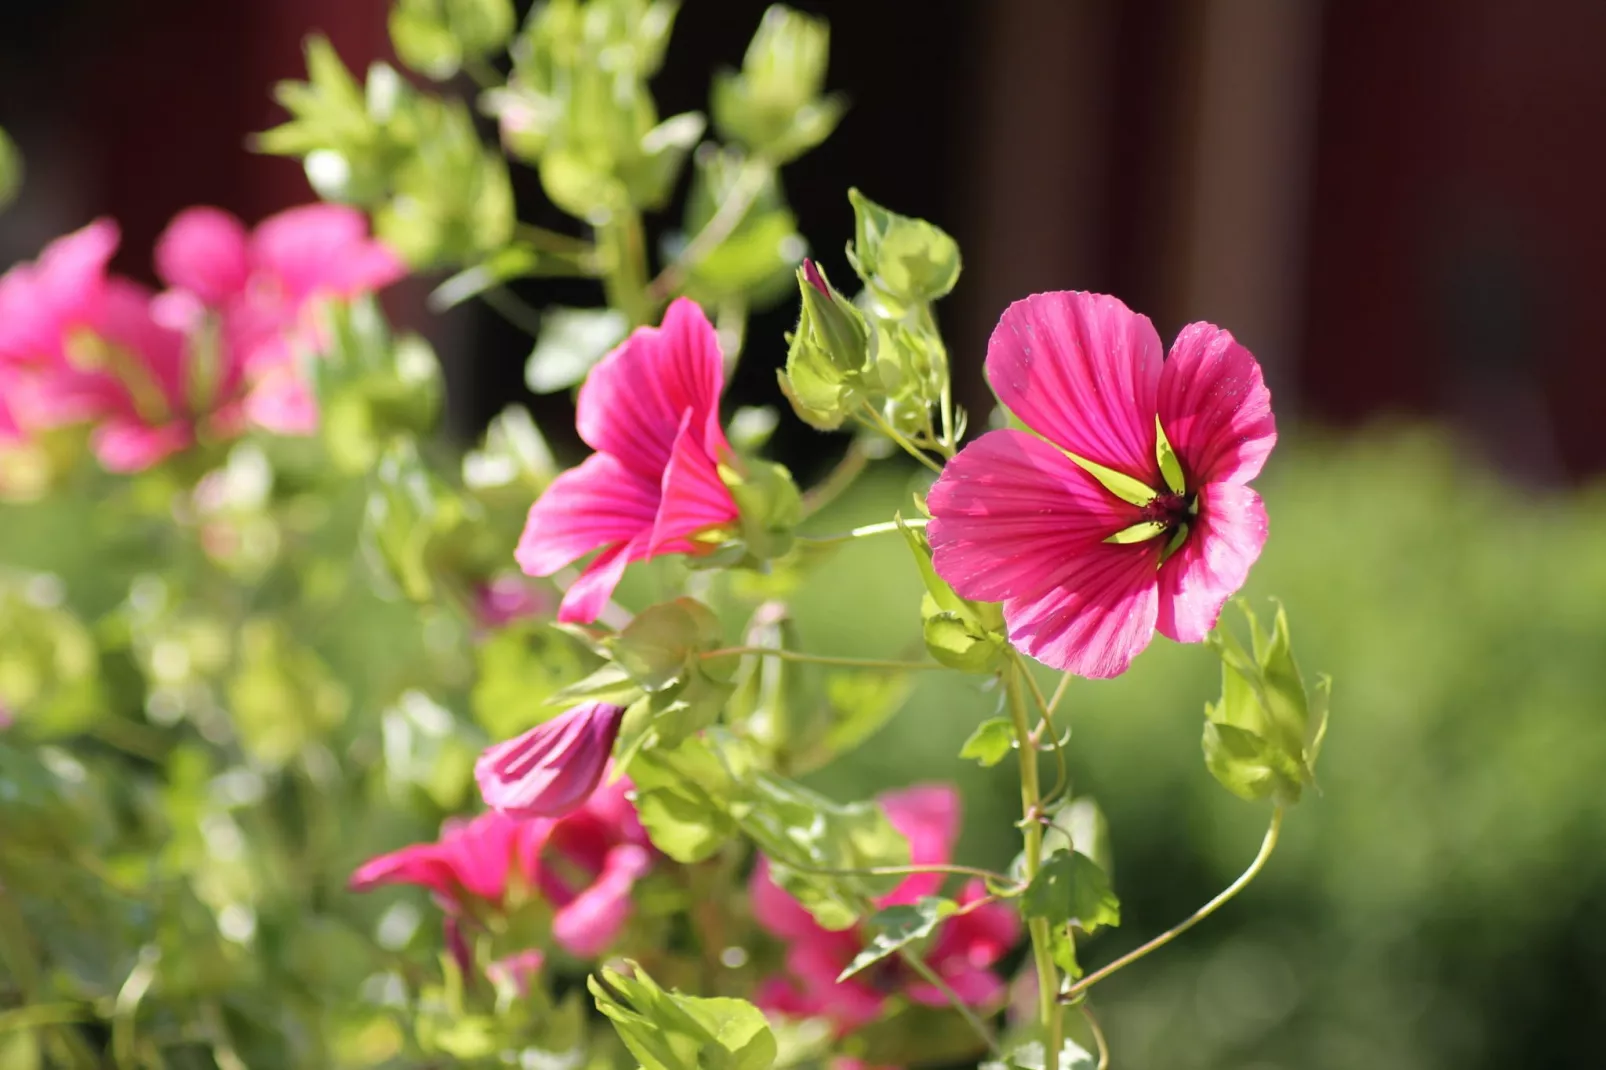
pixel 520 668
pixel 1082 827
pixel 572 341
pixel 1071 889
pixel 896 927
pixel 1170 465
pixel 609 683
pixel 1031 1056
pixel 683 795
pixel 861 702
pixel 769 503
pixel 990 743
pixel 513 462
pixel 959 643
pixel 802 833
pixel 659 644
pixel 1119 484
pixel 672 1031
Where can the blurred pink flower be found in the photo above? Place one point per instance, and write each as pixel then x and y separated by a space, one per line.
pixel 1016 520
pixel 651 411
pixel 962 952
pixel 554 767
pixel 583 865
pixel 149 371
pixel 507 599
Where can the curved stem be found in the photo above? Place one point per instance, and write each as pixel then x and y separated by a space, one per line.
pixel 884 528
pixel 32 1017
pixel 879 422
pixel 511 307
pixel 1062 776
pixel 1099 1042
pixel 821 659
pixel 1267 845
pixel 722 224
pixel 1031 800
pixel 847 470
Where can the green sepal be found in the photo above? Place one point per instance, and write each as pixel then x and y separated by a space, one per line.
pixel 1117 483
pixel 960 634
pixel 1170 464
pixel 906 261
pixel 662 643
pixel 1141 532
pixel 769 504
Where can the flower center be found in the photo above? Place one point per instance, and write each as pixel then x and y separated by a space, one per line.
pixel 1171 510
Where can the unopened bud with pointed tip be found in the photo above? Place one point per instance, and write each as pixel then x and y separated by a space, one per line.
pixel 554 767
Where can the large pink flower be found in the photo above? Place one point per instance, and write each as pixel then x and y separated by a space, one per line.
pixel 583 865
pixel 965 947
pixel 1016 520
pixel 651 411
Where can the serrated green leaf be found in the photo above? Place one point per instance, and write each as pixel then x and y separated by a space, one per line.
pixel 1071 889
pixel 672 1031
pixel 990 743
pixel 896 927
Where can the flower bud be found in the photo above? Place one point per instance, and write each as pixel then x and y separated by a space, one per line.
pixel 904 260
pixel 554 767
pixel 829 350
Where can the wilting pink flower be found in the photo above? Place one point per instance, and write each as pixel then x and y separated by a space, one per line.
pixel 964 948
pixel 583 865
pixel 507 599
pixel 554 767
pixel 651 411
pixel 1016 520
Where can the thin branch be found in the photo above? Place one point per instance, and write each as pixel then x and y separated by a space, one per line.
pixel 884 528
pixel 1266 847
pixel 847 470
pixel 1099 1042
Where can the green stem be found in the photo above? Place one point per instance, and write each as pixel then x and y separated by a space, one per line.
pixel 1099 1041
pixel 886 527
pixel 991 877
pixel 1046 725
pixel 624 249
pixel 743 191
pixel 820 659
pixel 43 1014
pixel 847 470
pixel 931 977
pixel 879 422
pixel 1267 845
pixel 511 307
pixel 556 242
pixel 1031 800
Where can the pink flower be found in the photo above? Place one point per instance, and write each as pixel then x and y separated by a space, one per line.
pixel 264 282
pixel 1016 520
pixel 651 411
pixel 554 767
pixel 507 599
pixel 964 948
pixel 584 865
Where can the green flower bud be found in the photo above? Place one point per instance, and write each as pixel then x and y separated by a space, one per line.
pixel 904 260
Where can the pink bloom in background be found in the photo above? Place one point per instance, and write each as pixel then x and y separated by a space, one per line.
pixel 651 411
pixel 962 952
pixel 507 599
pixel 80 346
pixel 1016 520
pixel 583 865
pixel 554 767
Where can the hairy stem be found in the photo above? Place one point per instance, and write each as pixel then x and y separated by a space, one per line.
pixel 879 422
pixel 1031 801
pixel 1267 845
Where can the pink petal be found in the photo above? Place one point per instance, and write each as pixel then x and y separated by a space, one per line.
pixel 322 249
pixel 125 318
pixel 282 402
pixel 519 970
pixel 554 767
pixel 130 446
pixel 203 250
pixel 635 399
pixel 480 853
pixel 1010 510
pixel 1081 370
pixel 419 864
pixel 587 925
pixel 1215 407
pixel 975 988
pixel 598 504
pixel 777 912
pixel 815 966
pixel 694 497
pixel 1212 564
pixel 60 290
pixel 928 817
pixel 1096 614
pixel 978 938
pixel 587 596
